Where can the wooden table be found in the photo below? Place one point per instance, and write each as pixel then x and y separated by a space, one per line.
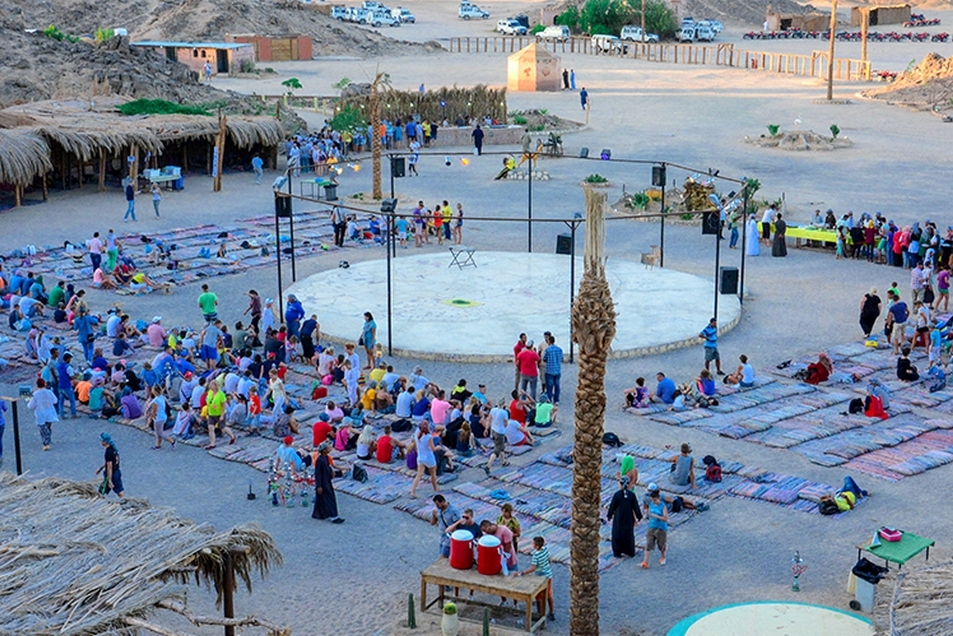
pixel 520 588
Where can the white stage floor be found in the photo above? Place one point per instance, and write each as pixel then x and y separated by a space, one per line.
pixel 476 314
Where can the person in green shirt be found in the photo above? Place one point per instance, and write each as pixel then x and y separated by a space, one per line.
pixel 545 413
pixel 57 295
pixel 208 303
pixel 215 402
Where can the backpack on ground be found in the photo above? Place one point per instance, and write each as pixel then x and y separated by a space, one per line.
pixel 713 473
pixel 359 473
pixel 856 406
pixel 612 440
pixel 828 506
pixel 401 426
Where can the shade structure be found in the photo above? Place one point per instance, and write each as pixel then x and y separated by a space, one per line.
pixel 533 69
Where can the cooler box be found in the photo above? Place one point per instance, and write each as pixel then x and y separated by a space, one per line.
pixel 489 555
pixel 461 550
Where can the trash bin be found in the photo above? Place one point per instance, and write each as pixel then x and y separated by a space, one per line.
pixel 331 192
pixel 867 577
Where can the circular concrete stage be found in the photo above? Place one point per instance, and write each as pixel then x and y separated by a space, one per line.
pixel 773 618
pixel 475 314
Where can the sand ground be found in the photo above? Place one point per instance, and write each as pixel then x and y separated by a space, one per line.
pixel 354 578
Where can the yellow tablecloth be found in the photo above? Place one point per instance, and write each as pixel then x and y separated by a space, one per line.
pixel 811 234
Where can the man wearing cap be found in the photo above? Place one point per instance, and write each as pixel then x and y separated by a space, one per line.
pixel 286 455
pixel 657 533
pixel 624 514
pixel 156 333
pixel 189 382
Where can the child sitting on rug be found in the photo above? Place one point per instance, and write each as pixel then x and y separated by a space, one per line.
pixel 638 396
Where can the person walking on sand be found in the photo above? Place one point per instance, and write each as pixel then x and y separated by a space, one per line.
pixel 325 503
pixel 477 135
pixel 112 477
pixel 572 79
pixel 130 201
pixel 43 405
pixel 657 512
pixel 584 97
pixel 426 457
pixel 624 514
pixel 565 79
pixel 156 197
pixel 710 335
pixel 258 166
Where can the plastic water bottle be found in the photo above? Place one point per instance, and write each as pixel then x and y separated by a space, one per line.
pixel 304 498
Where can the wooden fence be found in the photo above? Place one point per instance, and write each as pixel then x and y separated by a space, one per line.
pixel 813 65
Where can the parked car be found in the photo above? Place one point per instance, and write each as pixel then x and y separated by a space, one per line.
pixel 384 18
pixel 716 26
pixel 359 15
pixel 558 33
pixel 404 15
pixel 688 22
pixel 608 44
pixel 340 13
pixel 370 4
pixel 687 34
pixel 468 11
pixel 509 26
pixel 704 33
pixel 634 34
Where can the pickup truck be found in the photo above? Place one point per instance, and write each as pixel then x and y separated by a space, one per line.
pixel 558 33
pixel 468 11
pixel 404 15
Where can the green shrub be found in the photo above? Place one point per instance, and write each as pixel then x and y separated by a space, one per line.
pixel 537 29
pixel 519 120
pixel 639 201
pixel 160 107
pixel 835 130
pixel 53 33
pixel 349 118
pixel 773 129
pixel 247 66
pixel 104 35
pixel 292 84
pixel 569 18
pixel 596 178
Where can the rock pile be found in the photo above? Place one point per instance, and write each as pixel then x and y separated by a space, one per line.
pixel 928 86
pixel 799 140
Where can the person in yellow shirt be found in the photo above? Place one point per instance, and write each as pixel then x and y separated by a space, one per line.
pixel 426 127
pixel 370 393
pixel 378 374
pixel 447 213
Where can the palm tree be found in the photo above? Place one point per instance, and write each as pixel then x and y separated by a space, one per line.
pixel 376 143
pixel 593 323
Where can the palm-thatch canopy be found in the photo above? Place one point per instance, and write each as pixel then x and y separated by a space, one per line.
pixel 24 155
pixel 920 603
pixel 73 563
pixel 85 129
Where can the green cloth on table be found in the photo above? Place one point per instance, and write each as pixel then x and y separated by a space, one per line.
pixel 909 546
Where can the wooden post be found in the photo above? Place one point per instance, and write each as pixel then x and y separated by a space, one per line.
pixel 864 26
pixel 830 54
pixel 64 163
pixel 220 145
pixel 228 599
pixel 43 181
pixel 185 155
pixel 17 191
pixel 208 160
pixel 102 169
pixel 134 169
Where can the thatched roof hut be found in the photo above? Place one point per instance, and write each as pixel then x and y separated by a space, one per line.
pixel 24 155
pixel 74 563
pixel 919 604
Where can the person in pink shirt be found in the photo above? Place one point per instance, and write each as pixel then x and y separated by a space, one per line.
pixel 505 535
pixel 527 361
pixel 156 332
pixel 439 408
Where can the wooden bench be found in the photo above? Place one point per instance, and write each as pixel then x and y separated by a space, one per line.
pixel 520 588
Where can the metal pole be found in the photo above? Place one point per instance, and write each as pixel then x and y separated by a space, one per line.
pixel 228 599
pixel 572 283
pixel 16 436
pixel 744 246
pixel 281 311
pixel 291 225
pixel 391 156
pixel 717 263
pixel 661 249
pixel 390 328
pixel 529 207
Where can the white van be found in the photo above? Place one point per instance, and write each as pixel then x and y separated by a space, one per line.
pixel 687 34
pixel 704 33
pixel 558 33
pixel 634 34
pixel 608 44
pixel 468 11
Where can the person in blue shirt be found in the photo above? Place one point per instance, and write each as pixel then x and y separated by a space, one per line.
pixel 257 165
pixel 710 335
pixel 553 357
pixel 64 385
pixel 657 513
pixel 665 391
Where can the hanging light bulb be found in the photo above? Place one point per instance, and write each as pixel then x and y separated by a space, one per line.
pixel 465 161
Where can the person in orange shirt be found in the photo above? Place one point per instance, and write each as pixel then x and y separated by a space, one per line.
pixel 438 224
pixel 254 411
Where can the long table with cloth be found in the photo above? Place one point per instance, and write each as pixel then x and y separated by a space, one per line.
pixel 519 588
pixel 899 552
pixel 809 233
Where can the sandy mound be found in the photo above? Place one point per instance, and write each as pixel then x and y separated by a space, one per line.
pixel 799 140
pixel 928 86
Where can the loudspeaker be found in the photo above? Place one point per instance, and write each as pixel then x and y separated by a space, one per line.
pixel 729 280
pixel 282 207
pixel 658 176
pixel 388 205
pixel 397 167
pixel 583 153
pixel 564 244
pixel 710 222
pixel 606 154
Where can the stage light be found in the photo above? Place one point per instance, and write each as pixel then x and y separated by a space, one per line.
pixel 465 161
pixel 447 160
pixel 606 154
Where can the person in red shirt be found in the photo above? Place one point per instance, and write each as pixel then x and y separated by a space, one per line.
pixel 254 410
pixel 518 407
pixel 505 535
pixel 389 448
pixel 527 363
pixel 321 431
pixel 519 346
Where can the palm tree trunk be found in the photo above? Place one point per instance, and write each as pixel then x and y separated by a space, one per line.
pixel 593 321
pixel 375 104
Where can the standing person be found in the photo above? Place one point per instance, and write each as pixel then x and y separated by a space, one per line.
pixel 683 472
pixel 208 71
pixel 565 79
pixel 254 307
pixel 339 223
pixel 310 334
pixel 95 246
pixel 766 219
pixel 943 287
pixel 896 320
pixel 542 567
pixel 528 361
pixel 458 225
pixel 498 420
pixel 157 415
pixel 505 535
pixel 753 246
pixel 112 477
pixel 216 402
pixel 369 339
pixel 584 97
pixel 553 357
pixel 780 246
pixel 208 303
pixel 624 514
pixel 657 512
pixel 3 424
pixel 294 312
pixel 870 308
pixel 130 201
pixel 710 335
pixel 112 251
pixel 258 166
pixel 84 326
pixel 506 518
pixel 156 197
pixel 477 135
pixel 446 515
pixel 43 404
pixel 426 458
pixel 572 79
pixel 64 385
pixel 325 503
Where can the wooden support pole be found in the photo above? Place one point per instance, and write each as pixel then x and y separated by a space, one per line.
pixel 102 170
pixel 17 195
pixel 220 146
pixel 830 54
pixel 864 26
pixel 46 194
pixel 134 168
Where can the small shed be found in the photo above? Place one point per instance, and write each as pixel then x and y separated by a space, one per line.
pixel 881 14
pixel 223 56
pixel 814 21
pixel 533 69
pixel 282 48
